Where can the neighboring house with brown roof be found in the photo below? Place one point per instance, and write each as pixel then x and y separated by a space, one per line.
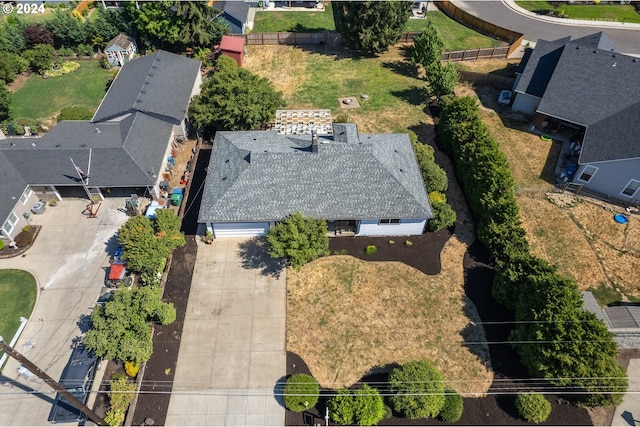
pixel 585 89
pixel 125 145
pixel 122 48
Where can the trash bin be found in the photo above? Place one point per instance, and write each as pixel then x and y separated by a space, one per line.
pixel 38 208
pixel 176 196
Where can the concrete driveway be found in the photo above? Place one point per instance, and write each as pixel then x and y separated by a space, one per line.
pixel 68 260
pixel 232 352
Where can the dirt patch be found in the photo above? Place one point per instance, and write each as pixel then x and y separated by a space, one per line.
pixel 19 81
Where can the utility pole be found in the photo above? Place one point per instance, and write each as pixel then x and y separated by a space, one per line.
pixel 52 383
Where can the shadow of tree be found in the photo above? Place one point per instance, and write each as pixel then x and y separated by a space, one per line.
pixel 111 245
pixel 254 254
pixel 84 324
pixel 404 68
pixel 414 95
pixel 278 390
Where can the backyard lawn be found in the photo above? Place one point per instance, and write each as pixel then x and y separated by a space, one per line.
pixel 17 298
pixel 602 12
pixel 302 22
pixel 42 99
pixel 314 79
pixel 456 36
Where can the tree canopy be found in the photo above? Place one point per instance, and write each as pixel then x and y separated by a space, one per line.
pixel 372 26
pixel 67 30
pixel 176 25
pixel 418 390
pixel 442 78
pixel 5 102
pixel 121 329
pixel 428 46
pixel 299 239
pixel 234 99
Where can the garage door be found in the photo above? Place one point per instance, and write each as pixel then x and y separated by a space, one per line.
pixel 240 229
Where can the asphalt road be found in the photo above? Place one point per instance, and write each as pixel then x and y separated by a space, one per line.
pixel 626 40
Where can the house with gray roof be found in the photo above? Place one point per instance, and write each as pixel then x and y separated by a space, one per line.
pixel 365 184
pixel 120 49
pixel 126 145
pixel 586 88
pixel 237 14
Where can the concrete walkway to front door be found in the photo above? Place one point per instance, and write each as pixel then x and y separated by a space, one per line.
pixel 232 352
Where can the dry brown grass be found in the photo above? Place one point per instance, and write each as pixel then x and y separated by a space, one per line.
pixel 346 317
pixel 581 238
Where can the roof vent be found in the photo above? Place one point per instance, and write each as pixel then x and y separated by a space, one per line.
pixel 58 145
pixel 577 47
pixel 224 178
pixel 615 63
pixel 83 145
pixel 227 161
pixel 97 130
pixel 614 55
pixel 33 144
pixel 635 60
pixel 595 51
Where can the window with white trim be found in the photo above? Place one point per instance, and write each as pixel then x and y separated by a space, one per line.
pixel 388 221
pixel 13 218
pixel 587 173
pixel 8 227
pixel 631 188
pixel 25 196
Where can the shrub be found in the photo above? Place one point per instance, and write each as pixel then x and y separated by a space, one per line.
pixel 444 216
pixel 300 389
pixel 165 313
pixel 435 178
pixel 75 112
pixel 370 250
pixel 104 62
pixel 1 244
pixel 363 406
pixel 418 390
pixel 453 406
pixel 131 368
pixel 122 393
pixel 341 407
pixel 341 118
pixel 533 407
pixel 114 418
pixel 66 51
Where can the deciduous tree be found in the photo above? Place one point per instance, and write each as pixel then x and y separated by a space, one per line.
pixel 299 239
pixel 37 34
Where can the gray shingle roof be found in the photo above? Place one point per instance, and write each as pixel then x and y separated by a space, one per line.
pixel 540 67
pixel 261 176
pixel 235 12
pixel 158 84
pixel 123 154
pixel 11 188
pixel 599 89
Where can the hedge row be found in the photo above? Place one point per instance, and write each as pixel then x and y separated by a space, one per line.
pixel 555 336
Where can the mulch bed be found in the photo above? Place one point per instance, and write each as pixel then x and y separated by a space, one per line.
pixel 494 409
pixel 24 240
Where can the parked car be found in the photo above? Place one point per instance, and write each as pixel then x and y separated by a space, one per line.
pixel 505 97
pixel 76 378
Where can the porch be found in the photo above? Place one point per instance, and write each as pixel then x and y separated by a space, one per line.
pixel 342 228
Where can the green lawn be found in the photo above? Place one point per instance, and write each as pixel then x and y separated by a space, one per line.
pixel 456 36
pixel 301 22
pixel 32 18
pixel 604 12
pixel 17 298
pixel 42 98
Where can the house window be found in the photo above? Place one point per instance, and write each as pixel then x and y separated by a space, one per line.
pixel 631 188
pixel 588 173
pixel 25 196
pixel 8 227
pixel 389 221
pixel 13 218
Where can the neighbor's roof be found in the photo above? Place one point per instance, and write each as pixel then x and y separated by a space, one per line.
pixel 264 176
pixel 159 84
pixel 124 153
pixel 122 41
pixel 235 12
pixel 13 185
pixel 599 89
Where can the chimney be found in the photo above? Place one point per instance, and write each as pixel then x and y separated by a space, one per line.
pixel 314 141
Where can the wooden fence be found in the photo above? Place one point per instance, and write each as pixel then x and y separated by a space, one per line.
pixel 499 82
pixel 329 38
pixel 500 52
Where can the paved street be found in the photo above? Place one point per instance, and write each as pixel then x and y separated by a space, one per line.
pixel 625 38
pixel 232 353
pixel 68 260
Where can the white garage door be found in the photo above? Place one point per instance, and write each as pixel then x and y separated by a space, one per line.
pixel 240 229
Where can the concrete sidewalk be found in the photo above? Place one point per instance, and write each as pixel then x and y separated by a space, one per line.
pixel 69 260
pixel 232 352
pixel 628 412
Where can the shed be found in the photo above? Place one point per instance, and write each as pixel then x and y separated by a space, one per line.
pixel 233 47
pixel 121 49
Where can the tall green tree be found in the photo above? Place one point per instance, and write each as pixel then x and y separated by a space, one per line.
pixel 418 390
pixel 121 329
pixel 299 239
pixel 428 46
pixel 234 99
pixel 177 25
pixel 11 64
pixel 105 25
pixel 40 57
pixel 12 35
pixel 5 102
pixel 442 78
pixel 67 30
pixel 373 26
